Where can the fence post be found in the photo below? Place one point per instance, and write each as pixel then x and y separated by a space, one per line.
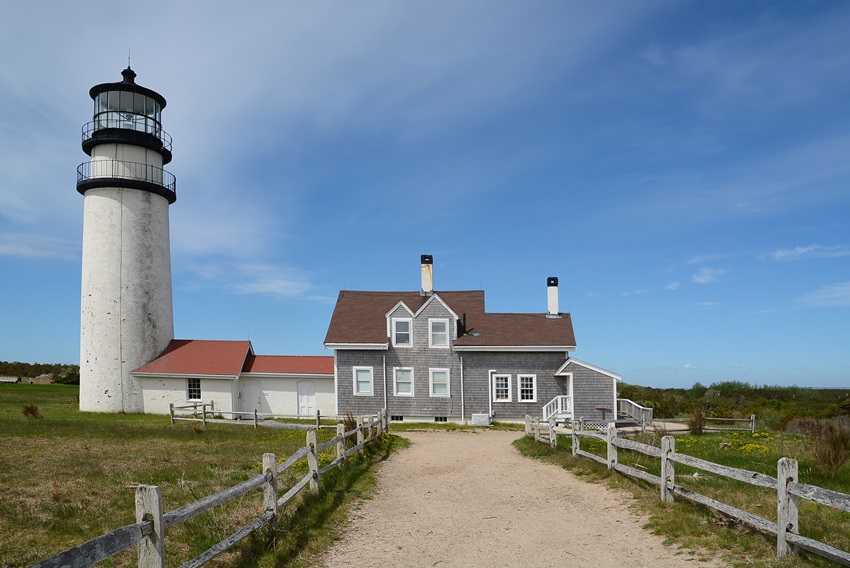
pixel 575 444
pixel 318 419
pixel 171 412
pixel 786 510
pixel 149 508
pixel 668 469
pixel 313 460
pixel 527 425
pixel 386 421
pixel 752 423
pixel 553 436
pixel 340 446
pixel 255 418
pixel 370 425
pixel 360 432
pixel 204 413
pixel 270 487
pixel 612 449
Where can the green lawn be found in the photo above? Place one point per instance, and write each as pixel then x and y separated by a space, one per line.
pixel 69 476
pixel 693 527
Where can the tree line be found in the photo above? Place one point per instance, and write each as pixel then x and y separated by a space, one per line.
pixel 774 406
pixel 63 374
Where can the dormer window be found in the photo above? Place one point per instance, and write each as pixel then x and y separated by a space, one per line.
pixel 438 333
pixel 402 332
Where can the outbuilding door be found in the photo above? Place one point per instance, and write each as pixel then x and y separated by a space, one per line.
pixel 306 398
pixel 251 395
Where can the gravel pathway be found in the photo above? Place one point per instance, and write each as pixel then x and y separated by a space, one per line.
pixel 470 499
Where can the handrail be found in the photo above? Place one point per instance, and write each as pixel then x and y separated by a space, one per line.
pixel 558 405
pixel 633 409
pixel 122 169
pixel 145 127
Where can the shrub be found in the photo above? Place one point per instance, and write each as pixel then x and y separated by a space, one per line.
pixel 830 441
pixel 696 422
pixel 31 411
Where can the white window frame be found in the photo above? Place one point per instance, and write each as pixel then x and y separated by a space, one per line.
pixel 395 381
pixel 509 389
pixel 519 379
pixel 409 332
pixel 189 390
pixel 371 381
pixel 448 383
pixel 431 343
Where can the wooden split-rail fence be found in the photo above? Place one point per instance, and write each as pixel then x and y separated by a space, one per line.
pixel 149 531
pixel 206 412
pixel 786 483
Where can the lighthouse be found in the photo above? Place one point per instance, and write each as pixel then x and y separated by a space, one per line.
pixel 126 315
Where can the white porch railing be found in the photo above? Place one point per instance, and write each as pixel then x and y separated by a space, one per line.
pixel 557 406
pixel 640 413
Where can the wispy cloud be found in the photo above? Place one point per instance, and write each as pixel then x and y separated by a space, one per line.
pixel 689 366
pixel 811 251
pixel 829 296
pixel 708 275
pixel 708 304
pixel 30 246
pixel 636 292
pixel 278 281
pixel 672 286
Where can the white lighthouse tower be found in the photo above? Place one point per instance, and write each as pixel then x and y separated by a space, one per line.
pixel 126 310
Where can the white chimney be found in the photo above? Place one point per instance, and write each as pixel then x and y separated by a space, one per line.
pixel 427 275
pixel 552 286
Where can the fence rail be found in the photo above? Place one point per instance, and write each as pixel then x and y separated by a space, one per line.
pixel 149 530
pixel 786 484
pixel 750 423
pixel 206 412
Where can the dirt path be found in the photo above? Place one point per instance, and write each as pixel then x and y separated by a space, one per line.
pixel 470 499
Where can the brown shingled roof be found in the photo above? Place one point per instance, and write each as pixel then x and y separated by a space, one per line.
pixel 360 318
pixel 200 357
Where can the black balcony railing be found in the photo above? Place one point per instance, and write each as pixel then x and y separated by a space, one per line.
pixel 120 173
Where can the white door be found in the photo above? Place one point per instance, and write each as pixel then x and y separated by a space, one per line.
pixel 306 398
pixel 251 395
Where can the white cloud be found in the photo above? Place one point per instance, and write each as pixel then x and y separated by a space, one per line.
pixel 708 304
pixel 708 275
pixel 811 251
pixel 829 296
pixel 35 246
pixel 689 366
pixel 672 286
pixel 636 292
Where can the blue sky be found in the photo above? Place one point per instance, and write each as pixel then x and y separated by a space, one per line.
pixel 681 166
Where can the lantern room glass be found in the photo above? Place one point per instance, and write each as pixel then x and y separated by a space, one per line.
pixel 127 110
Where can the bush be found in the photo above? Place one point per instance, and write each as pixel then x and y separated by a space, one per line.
pixel 830 442
pixel 696 422
pixel 31 411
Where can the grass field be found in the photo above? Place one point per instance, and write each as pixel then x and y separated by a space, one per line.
pixel 689 526
pixel 68 476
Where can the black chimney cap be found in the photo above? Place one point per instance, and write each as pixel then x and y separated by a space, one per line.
pixel 427 259
pixel 552 281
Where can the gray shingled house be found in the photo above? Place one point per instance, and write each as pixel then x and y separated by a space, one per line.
pixel 440 356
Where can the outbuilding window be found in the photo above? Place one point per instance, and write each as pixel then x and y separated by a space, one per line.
pixel 193 389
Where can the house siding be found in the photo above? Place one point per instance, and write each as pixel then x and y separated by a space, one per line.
pixel 590 390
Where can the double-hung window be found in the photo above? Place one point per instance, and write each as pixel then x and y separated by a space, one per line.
pixel 502 388
pixel 402 332
pixel 363 381
pixel 438 335
pixel 193 389
pixel 403 381
pixel 527 388
pixel 439 382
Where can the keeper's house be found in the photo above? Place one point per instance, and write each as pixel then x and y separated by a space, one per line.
pixel 440 356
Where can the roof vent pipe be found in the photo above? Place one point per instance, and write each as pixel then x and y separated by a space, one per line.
pixel 427 275
pixel 552 288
